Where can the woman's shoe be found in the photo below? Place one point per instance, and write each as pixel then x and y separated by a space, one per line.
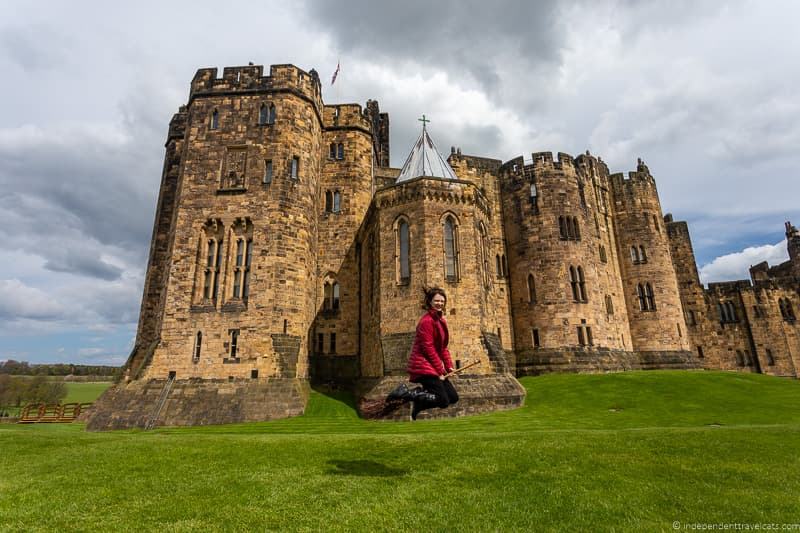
pixel 399 393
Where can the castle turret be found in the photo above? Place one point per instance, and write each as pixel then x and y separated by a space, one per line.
pixel 648 276
pixel 565 292
pixel 793 244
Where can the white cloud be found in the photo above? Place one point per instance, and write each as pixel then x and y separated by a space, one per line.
pixel 737 265
pixel 17 300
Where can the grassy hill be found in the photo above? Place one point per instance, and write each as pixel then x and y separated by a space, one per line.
pixel 595 452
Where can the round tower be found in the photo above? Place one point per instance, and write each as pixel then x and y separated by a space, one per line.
pixel 239 303
pixel 651 288
pixel 565 291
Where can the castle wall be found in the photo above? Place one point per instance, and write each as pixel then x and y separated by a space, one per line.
pixel 151 313
pixel 484 174
pixel 223 194
pixel 639 224
pixel 538 246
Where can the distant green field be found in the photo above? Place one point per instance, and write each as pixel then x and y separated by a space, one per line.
pixel 85 392
pixel 640 450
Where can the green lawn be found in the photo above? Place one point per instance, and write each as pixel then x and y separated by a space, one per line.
pixel 625 451
pixel 85 392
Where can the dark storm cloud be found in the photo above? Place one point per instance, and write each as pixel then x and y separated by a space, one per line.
pixel 75 263
pixel 472 37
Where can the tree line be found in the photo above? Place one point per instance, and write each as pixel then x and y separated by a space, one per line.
pixel 23 368
pixel 16 390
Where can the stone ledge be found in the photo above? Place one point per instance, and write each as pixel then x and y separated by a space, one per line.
pixel 539 361
pixel 477 394
pixel 198 402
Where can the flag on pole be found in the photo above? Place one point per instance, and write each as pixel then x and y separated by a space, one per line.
pixel 333 79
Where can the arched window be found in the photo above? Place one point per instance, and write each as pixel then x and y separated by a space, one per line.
pixel 642 255
pixel 450 249
pixel 582 285
pixel 603 256
pixel 263 115
pixel 340 151
pixel 609 305
pixel 642 299
pixel 213 260
pixel 198 346
pixel 634 255
pixel 335 300
pixel 731 312
pixel 337 202
pixel 531 289
pixel 328 201
pixel 651 299
pixel 271 118
pixel 214 124
pixel 497 264
pixel 573 283
pixel 241 274
pixel 332 151
pixel 267 171
pixel 576 232
pixel 403 261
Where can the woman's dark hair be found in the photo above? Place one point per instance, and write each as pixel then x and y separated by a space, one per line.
pixel 430 293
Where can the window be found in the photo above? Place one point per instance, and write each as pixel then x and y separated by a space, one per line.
pixel 589 338
pixel 340 151
pixel 603 256
pixel 647 300
pixel 505 265
pixel 320 342
pixel 332 151
pixel 254 374
pixel 635 255
pixel 214 124
pixel 642 255
pixel 238 268
pixel 267 171
pixel 770 359
pixel 333 343
pixel 263 115
pixel 328 201
pixel 700 352
pixel 497 264
pixel 234 347
pixel 450 249
pixel 295 168
pixel 562 228
pixel 727 312
pixel 582 285
pixel 198 346
pixel 609 305
pixel 680 333
pixel 531 289
pixel 655 224
pixel 213 260
pixel 534 198
pixel 581 193
pixel 576 232
pixel 651 299
pixel 573 283
pixel 330 294
pixel 581 337
pixel 691 319
pixel 585 334
pixel 535 335
pixel 484 246
pixel 403 260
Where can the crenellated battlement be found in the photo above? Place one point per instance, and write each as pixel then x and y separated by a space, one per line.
pixel 251 79
pixel 346 116
pixel 639 184
pixel 542 161
pixel 177 125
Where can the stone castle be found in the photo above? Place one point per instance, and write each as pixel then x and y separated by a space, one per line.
pixel 286 250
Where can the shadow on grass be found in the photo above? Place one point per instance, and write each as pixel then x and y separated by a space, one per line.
pixel 335 396
pixel 363 468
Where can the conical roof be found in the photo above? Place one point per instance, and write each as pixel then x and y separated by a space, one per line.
pixel 425 160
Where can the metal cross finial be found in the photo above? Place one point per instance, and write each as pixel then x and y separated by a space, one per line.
pixel 424 121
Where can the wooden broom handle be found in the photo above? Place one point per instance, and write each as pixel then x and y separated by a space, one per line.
pixel 459 370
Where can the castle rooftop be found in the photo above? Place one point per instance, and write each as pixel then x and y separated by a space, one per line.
pixel 425 160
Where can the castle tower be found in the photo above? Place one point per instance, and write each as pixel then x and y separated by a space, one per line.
pixel 651 290
pixel 432 229
pixel 233 252
pixel 566 296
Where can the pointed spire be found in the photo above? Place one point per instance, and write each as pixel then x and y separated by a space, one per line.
pixel 425 159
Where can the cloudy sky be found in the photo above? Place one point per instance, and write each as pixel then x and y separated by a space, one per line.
pixel 705 92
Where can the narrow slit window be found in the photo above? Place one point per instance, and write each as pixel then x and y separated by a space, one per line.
pixel 234 349
pixel 337 201
pixel 198 346
pixel 267 171
pixel 531 289
pixel 450 244
pixel 405 265
pixel 295 168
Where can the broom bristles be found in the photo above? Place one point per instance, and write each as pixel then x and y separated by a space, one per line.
pixel 379 408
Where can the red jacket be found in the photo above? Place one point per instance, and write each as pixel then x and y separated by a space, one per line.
pixel 429 354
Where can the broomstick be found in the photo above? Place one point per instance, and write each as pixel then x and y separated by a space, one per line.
pixel 372 409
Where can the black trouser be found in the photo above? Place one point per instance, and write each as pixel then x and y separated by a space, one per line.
pixel 445 392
